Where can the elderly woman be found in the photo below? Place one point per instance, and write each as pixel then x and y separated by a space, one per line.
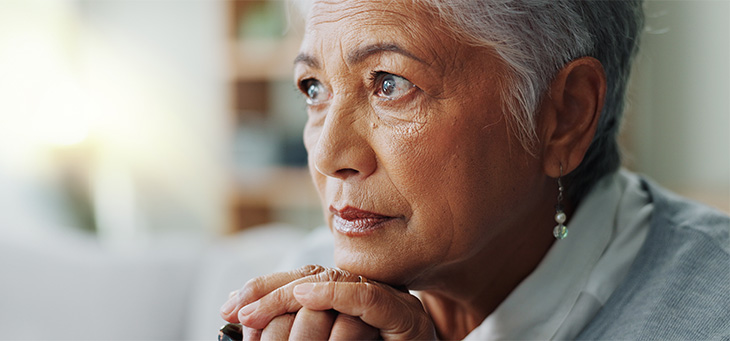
pixel 465 155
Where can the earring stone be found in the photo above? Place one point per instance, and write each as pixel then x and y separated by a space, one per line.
pixel 560 231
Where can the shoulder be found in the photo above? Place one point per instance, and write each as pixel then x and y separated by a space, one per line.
pixel 679 284
pixel 680 215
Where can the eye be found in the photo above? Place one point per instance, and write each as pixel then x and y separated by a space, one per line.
pixel 389 86
pixel 314 91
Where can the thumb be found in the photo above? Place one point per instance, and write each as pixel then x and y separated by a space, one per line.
pixel 396 314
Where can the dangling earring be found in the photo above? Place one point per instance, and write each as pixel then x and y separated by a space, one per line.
pixel 560 231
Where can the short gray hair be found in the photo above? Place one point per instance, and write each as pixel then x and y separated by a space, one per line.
pixel 536 38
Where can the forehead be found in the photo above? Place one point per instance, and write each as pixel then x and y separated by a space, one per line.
pixel 362 22
pixel 366 11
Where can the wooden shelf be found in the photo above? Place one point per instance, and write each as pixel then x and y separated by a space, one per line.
pixel 262 44
pixel 258 195
pixel 262 54
pixel 276 187
pixel 263 59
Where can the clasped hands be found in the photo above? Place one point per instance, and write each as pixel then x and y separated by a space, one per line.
pixel 315 302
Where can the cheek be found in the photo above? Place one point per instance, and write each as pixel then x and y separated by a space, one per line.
pixel 418 165
pixel 434 161
pixel 446 174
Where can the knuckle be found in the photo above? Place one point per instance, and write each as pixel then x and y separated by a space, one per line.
pixel 407 327
pixel 369 297
pixel 332 275
pixel 326 274
pixel 417 325
pixel 335 275
pixel 255 287
pixel 277 295
pixel 309 270
pixel 282 299
pixel 412 321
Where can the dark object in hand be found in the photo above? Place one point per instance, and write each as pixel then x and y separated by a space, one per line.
pixel 231 332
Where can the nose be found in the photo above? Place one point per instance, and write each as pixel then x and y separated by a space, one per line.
pixel 342 149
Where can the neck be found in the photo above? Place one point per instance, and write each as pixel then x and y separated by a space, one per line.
pixel 469 292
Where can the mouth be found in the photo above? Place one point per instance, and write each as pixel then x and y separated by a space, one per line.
pixel 353 222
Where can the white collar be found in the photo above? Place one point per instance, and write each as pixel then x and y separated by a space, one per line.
pixel 555 291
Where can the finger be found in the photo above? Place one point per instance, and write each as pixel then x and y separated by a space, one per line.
pixel 250 334
pixel 312 324
pixel 396 314
pixel 348 327
pixel 278 328
pixel 281 301
pixel 260 286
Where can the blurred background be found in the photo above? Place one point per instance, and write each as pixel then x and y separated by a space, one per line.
pixel 149 147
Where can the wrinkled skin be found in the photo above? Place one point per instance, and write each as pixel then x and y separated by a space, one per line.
pixel 407 122
pixel 440 157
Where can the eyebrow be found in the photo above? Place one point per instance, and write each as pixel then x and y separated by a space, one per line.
pixel 364 52
pixel 307 59
pixel 360 54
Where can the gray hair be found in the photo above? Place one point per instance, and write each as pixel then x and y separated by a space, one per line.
pixel 536 38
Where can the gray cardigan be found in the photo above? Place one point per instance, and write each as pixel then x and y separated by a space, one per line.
pixel 679 284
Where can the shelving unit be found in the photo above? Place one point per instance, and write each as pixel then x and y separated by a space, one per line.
pixel 271 181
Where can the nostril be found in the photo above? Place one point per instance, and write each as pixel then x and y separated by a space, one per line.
pixel 346 172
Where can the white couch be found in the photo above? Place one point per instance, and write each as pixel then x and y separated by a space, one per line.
pixel 69 287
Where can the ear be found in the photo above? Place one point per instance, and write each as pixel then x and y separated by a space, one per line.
pixel 569 115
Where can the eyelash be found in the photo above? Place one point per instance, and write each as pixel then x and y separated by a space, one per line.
pixel 378 77
pixel 303 85
pixel 375 75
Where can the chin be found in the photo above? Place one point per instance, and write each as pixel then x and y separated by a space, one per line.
pixel 386 267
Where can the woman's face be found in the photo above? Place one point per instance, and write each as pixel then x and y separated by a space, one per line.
pixel 408 145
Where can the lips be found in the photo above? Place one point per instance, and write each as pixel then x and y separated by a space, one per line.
pixel 353 221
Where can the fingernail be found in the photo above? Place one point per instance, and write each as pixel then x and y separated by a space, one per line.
pixel 248 309
pixel 227 307
pixel 303 289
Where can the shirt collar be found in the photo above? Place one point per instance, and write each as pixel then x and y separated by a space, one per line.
pixel 540 304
